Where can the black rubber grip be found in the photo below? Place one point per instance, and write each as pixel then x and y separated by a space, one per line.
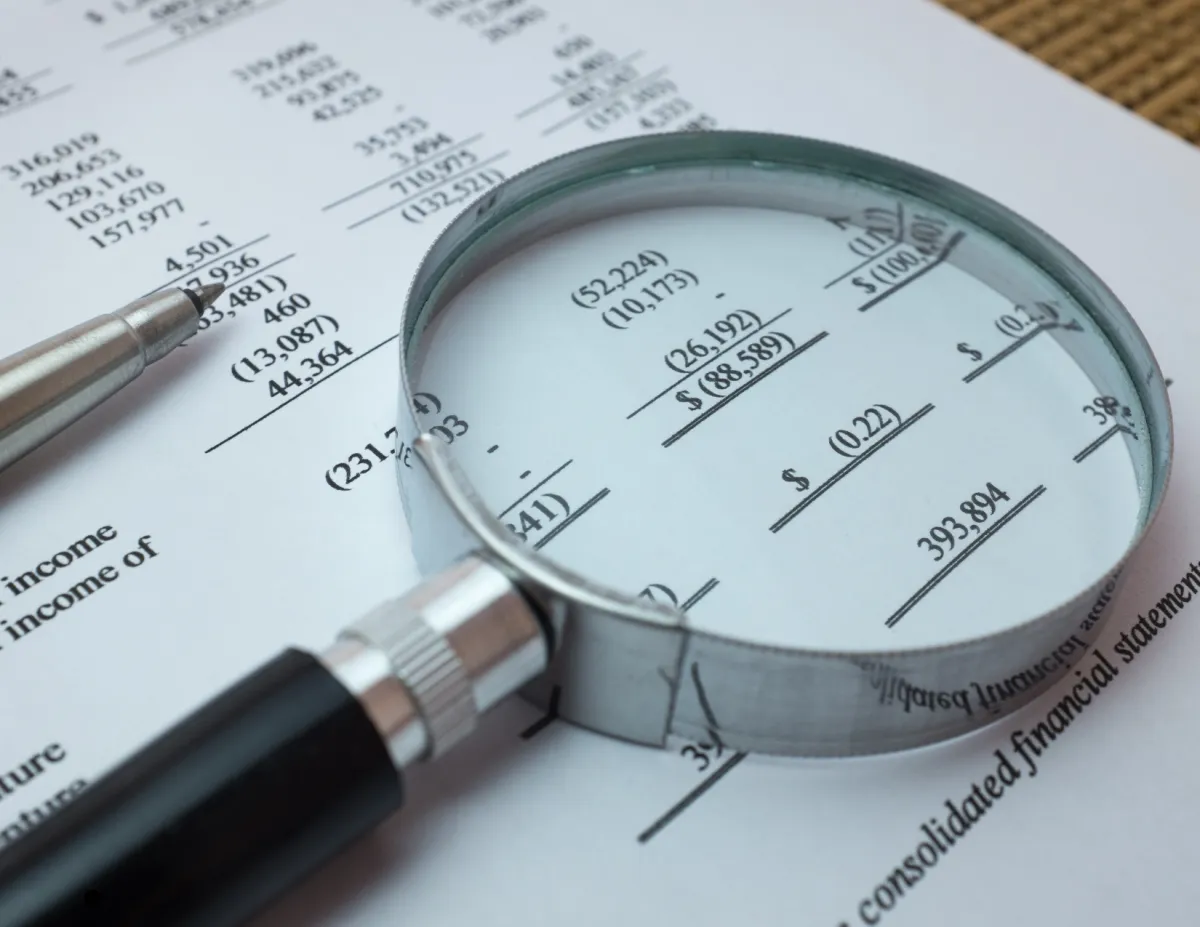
pixel 215 817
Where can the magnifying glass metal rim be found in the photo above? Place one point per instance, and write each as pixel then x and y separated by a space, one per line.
pixel 631 668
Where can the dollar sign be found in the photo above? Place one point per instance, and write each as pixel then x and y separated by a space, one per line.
pixel 970 351
pixel 790 476
pixel 690 401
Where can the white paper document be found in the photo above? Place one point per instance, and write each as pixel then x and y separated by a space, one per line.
pixel 218 511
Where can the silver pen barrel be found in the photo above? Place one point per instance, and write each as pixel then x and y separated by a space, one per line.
pixel 46 387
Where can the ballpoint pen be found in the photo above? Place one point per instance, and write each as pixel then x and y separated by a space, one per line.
pixel 46 387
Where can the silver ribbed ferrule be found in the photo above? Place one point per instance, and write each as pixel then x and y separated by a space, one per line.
pixel 426 665
pixel 458 643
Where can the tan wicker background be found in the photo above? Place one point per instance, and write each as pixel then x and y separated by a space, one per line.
pixel 1145 54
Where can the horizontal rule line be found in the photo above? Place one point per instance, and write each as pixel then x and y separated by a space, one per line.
pixel 205 30
pixel 962 555
pixel 579 82
pixel 443 153
pixel 846 470
pixel 695 597
pixel 951 244
pixel 548 718
pixel 1007 352
pixel 619 91
pixel 1095 445
pixel 224 255
pixel 26 79
pixel 536 487
pixel 690 798
pixel 42 98
pixel 692 373
pixel 425 191
pixel 571 519
pixel 862 264
pixel 741 389
pixel 324 379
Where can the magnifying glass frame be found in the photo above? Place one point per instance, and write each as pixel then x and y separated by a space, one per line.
pixel 630 668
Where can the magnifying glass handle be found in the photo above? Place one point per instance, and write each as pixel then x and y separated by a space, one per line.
pixel 215 816
pixel 279 772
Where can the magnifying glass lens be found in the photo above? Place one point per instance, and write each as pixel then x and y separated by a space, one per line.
pixel 838 418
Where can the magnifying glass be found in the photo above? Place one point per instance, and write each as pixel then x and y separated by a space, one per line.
pixel 705 436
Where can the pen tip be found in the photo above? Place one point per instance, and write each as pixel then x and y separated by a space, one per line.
pixel 204 296
pixel 209 292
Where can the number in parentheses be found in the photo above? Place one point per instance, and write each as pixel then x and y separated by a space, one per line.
pixel 426 403
pixel 344 484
